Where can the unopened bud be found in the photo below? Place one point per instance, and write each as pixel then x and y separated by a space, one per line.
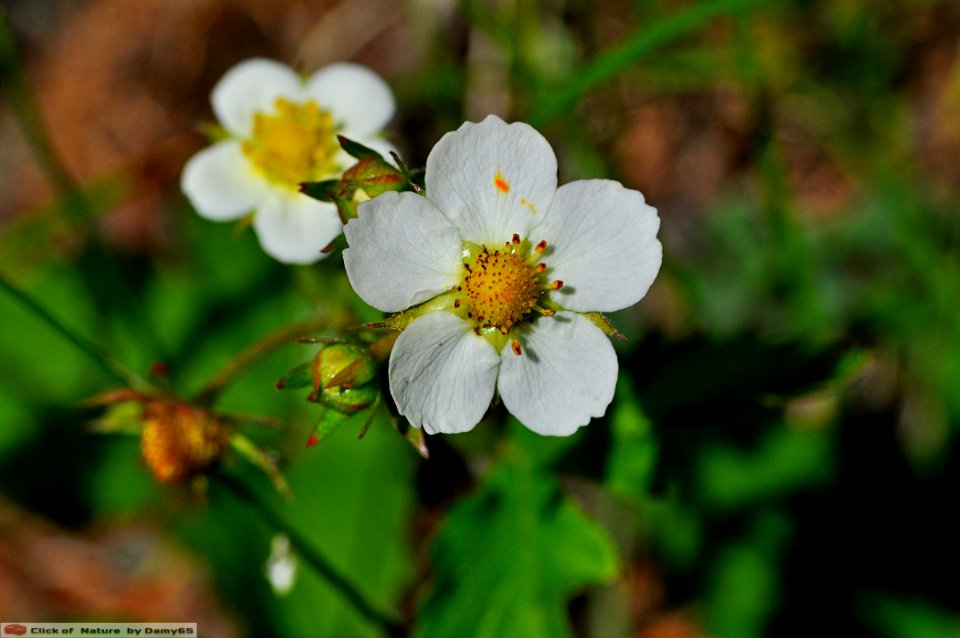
pixel 342 378
pixel 365 180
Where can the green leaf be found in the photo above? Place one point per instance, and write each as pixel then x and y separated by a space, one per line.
pixel 509 557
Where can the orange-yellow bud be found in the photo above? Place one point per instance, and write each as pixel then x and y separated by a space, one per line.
pixel 180 440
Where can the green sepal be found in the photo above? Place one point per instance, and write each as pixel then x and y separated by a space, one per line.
pixel 600 321
pixel 339 243
pixel 356 149
pixel 400 320
pixel 249 451
pixel 418 440
pixel 325 191
pixel 328 423
pixel 299 377
pixel 215 133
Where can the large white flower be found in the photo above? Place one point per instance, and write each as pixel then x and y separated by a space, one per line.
pixel 283 131
pixel 504 264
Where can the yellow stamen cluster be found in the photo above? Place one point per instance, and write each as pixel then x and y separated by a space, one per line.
pixel 296 143
pixel 502 288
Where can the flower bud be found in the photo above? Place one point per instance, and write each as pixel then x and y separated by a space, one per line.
pixel 343 378
pixel 365 180
pixel 179 440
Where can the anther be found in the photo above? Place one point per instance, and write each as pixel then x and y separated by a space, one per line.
pixel 517 350
pixel 542 246
pixel 546 312
pixel 516 238
pixel 540 267
pixel 556 284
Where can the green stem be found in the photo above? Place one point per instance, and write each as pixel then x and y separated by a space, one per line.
pixel 312 556
pixel 250 355
pixel 101 357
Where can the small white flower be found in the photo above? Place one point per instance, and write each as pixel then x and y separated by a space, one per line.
pixel 508 262
pixel 281 567
pixel 283 131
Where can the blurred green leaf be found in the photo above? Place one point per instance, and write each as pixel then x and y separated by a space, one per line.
pixel 787 459
pixel 897 618
pixel 744 587
pixel 607 65
pixel 508 558
pixel 633 455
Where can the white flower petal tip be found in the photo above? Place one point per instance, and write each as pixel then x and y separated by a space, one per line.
pixel 220 183
pixel 294 229
pixel 565 376
pixel 402 251
pixel 492 179
pixel 249 87
pixel 442 375
pixel 358 98
pixel 605 246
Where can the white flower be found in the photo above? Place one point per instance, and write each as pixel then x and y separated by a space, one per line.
pixel 506 262
pixel 283 131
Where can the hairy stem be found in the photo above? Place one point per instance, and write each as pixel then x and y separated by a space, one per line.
pixel 251 354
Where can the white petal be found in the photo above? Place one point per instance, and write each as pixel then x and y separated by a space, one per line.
pixel 220 182
pixel 442 374
pixel 565 375
pixel 602 243
pixel 492 179
pixel 358 98
pixel 251 86
pixel 402 251
pixel 294 228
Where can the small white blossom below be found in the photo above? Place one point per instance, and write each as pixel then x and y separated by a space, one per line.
pixel 282 131
pixel 509 263
pixel 281 568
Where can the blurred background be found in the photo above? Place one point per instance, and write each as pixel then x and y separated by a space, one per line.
pixel 780 459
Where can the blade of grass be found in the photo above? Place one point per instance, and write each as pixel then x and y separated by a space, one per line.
pixel 609 64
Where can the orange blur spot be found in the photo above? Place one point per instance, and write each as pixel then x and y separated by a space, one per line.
pixel 501 183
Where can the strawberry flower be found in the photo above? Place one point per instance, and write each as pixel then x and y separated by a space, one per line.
pixel 282 130
pixel 498 269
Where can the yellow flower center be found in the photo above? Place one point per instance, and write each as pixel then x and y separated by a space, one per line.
pixel 296 143
pixel 502 288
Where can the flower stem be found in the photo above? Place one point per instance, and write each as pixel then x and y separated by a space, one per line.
pixel 101 357
pixel 251 354
pixel 311 555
